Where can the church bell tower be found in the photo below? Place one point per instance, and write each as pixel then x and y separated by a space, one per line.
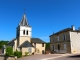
pixel 23 31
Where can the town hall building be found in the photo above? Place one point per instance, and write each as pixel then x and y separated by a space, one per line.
pixel 24 41
pixel 65 41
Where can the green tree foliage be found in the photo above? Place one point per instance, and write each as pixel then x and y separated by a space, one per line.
pixel 18 54
pixel 3 43
pixel 48 46
pixel 9 51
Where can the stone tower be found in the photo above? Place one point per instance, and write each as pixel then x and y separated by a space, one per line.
pixel 23 31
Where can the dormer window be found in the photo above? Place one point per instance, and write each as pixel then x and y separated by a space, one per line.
pixel 27 32
pixel 24 32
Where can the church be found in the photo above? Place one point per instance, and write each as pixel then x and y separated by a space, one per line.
pixel 24 41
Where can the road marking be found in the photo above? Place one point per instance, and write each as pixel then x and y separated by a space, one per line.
pixel 52 57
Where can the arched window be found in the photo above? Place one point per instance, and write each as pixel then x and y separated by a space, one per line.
pixel 24 32
pixel 27 32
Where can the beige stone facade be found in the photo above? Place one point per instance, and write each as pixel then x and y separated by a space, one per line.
pixel 21 39
pixel 39 48
pixel 24 49
pixel 65 41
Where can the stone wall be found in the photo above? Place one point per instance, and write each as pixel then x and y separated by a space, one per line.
pixel 59 40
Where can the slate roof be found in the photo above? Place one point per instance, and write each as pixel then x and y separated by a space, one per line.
pixel 12 40
pixel 24 21
pixel 37 40
pixel 64 30
pixel 26 44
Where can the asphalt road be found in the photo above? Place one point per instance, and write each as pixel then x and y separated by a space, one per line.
pixel 52 57
pixel 38 57
pixel 72 57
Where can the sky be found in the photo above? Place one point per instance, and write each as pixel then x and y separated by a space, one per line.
pixel 45 16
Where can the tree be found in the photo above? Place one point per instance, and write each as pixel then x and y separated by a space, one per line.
pixel 3 43
pixel 9 51
pixel 48 46
pixel 18 53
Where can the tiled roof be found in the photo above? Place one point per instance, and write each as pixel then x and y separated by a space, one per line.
pixel 64 30
pixel 67 29
pixel 37 40
pixel 26 44
pixel 12 40
pixel 33 40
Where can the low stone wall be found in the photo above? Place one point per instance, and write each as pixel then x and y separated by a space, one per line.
pixel 2 57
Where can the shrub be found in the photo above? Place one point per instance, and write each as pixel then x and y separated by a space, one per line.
pixel 26 53
pixel 9 51
pixel 18 54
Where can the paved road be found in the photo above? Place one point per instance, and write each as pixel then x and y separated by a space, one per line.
pixel 52 57
pixel 72 57
pixel 38 57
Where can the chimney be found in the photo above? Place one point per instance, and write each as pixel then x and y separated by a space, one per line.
pixel 73 27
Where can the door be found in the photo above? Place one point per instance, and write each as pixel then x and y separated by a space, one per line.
pixel 43 52
pixel 30 50
pixel 58 47
pixel 52 47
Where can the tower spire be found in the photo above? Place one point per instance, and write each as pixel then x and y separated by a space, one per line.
pixel 24 21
